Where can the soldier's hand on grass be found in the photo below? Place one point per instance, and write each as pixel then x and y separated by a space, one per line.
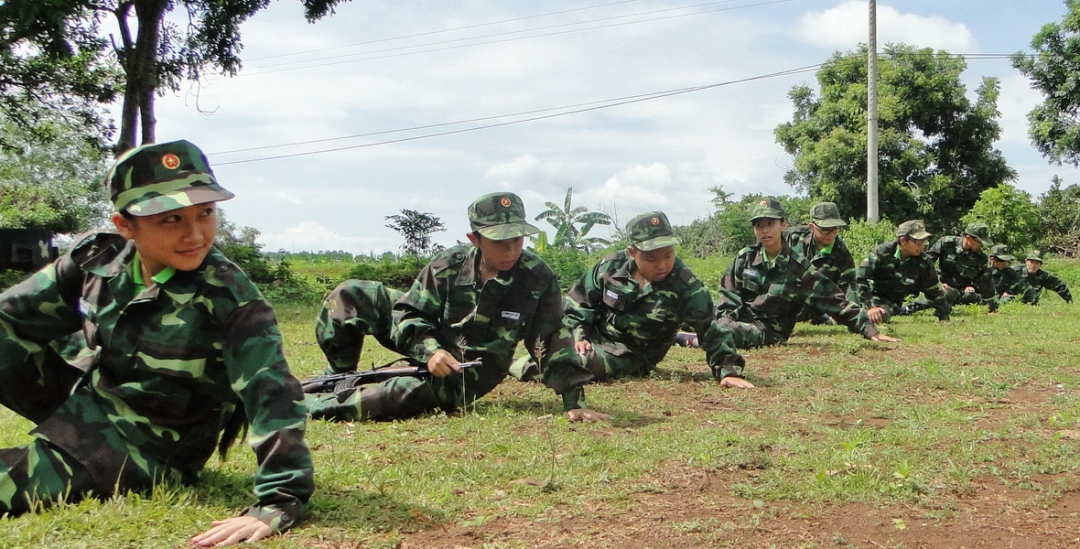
pixel 442 364
pixel 885 338
pixel 583 348
pixel 737 382
pixel 585 414
pixel 233 530
pixel 876 314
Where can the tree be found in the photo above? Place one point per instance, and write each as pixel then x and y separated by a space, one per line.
pixel 51 177
pixel 936 146
pixel 1059 216
pixel 417 228
pixel 1009 213
pixel 53 64
pixel 566 220
pixel 1053 125
pixel 154 55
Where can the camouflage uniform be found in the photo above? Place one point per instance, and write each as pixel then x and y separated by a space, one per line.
pixel 175 362
pixel 960 268
pixel 885 280
pixel 1008 284
pixel 1040 280
pixel 354 309
pixel 632 326
pixel 835 262
pixel 449 308
pixel 758 300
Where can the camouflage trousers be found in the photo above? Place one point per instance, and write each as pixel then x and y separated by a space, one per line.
pixel 734 335
pixel 354 309
pixel 952 295
pixel 40 473
pixel 358 308
pixel 614 360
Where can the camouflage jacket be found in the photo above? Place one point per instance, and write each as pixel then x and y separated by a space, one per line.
pixel 1043 279
pixel 608 300
pixel 884 280
pixel 752 291
pixel 960 268
pixel 1009 281
pixel 448 308
pixel 174 362
pixel 837 265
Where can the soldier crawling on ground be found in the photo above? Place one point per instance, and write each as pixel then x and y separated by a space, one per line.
pixel 963 269
pixel 821 244
pixel 624 313
pixel 1008 283
pixel 474 301
pixel 765 287
pixel 1039 278
pixel 896 270
pixel 188 354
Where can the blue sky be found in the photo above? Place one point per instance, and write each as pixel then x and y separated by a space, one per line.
pixel 378 70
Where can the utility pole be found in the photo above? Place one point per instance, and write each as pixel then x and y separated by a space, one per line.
pixel 872 120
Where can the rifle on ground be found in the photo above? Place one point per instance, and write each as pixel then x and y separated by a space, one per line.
pixel 348 381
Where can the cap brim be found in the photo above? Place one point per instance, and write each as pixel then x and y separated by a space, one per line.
pixel 182 198
pixel 1029 258
pixel 1004 257
pixel 657 243
pixel 830 223
pixel 921 236
pixel 508 230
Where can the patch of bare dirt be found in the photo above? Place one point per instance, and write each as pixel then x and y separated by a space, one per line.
pixel 684 507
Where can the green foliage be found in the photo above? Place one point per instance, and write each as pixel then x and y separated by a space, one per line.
pixel 1009 213
pixel 53 62
pixel 1059 216
pixel 566 220
pixel 51 177
pixel 936 145
pixel 416 228
pixel 57 50
pixel 569 264
pixel 862 236
pixel 393 271
pixel 729 229
pixel 276 279
pixel 1053 125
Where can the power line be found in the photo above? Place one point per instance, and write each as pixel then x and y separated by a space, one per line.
pixel 455 43
pixel 597 105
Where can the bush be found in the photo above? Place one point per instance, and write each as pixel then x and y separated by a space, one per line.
pixel 861 237
pixel 394 272
pixel 569 264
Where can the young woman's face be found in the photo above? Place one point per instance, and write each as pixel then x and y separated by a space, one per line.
pixel 654 265
pixel 769 232
pixel 179 238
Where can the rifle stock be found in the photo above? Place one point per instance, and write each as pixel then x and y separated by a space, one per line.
pixel 349 381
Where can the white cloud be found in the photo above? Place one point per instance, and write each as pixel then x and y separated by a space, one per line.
pixel 846 25
pixel 288 197
pixel 310 235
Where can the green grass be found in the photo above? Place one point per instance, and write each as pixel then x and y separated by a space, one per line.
pixel 835 419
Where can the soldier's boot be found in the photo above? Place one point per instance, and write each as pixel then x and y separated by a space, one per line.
pixel 687 339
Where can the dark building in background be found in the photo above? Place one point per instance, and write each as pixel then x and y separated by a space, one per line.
pixel 26 249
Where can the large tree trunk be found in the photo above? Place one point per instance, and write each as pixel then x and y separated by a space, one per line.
pixel 139 61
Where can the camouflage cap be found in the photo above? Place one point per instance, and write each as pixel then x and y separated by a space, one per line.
pixel 767 208
pixel 499 216
pixel 826 215
pixel 1034 255
pixel 650 231
pixel 980 232
pixel 161 177
pixel 915 229
pixel 1001 251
